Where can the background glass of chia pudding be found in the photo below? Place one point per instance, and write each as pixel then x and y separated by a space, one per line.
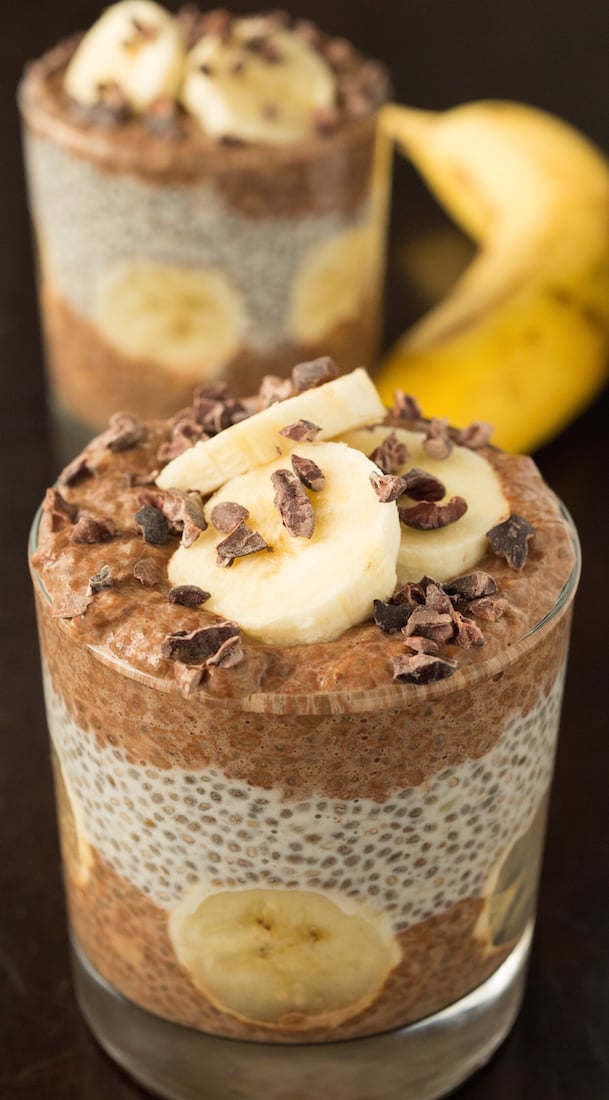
pixel 206 837
pixel 168 258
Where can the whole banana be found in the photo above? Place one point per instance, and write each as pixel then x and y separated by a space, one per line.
pixel 522 340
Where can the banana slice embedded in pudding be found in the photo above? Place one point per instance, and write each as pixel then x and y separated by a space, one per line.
pixel 187 320
pixel 284 957
pixel 334 282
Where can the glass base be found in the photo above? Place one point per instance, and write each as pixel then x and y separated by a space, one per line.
pixel 423 1061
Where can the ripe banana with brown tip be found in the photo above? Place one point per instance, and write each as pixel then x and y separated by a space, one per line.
pixel 522 339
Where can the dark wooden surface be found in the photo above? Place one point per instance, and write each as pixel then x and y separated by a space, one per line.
pixel 441 52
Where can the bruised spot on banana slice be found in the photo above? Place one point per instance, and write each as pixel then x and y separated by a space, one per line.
pixel 135 46
pixel 188 320
pixel 512 887
pixel 446 552
pixel 76 850
pixel 334 282
pixel 307 589
pixel 257 84
pixel 291 958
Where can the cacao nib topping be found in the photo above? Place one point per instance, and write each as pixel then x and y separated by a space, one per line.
pixel 162 117
pixel 487 608
pixel 293 504
pixel 273 389
pixel 73 606
pixel 325 120
pixel 428 623
pixel 99 581
pixel 217 22
pixel 467 633
pixel 436 599
pixel 194 518
pixel 133 480
pixel 510 540
pixel 387 487
pixel 232 141
pixel 339 52
pixel 194 646
pixel 301 431
pixel 306 376
pixel 152 524
pixel 421 668
pixel 227 515
pixel 112 109
pixel 188 677
pixel 476 435
pixel 90 529
pixel 215 408
pixel 427 515
pixel 188 595
pixel 308 472
pixel 147 572
pixel 309 33
pixel 421 485
pixel 228 655
pixel 240 542
pixel 411 593
pixel 437 443
pixel 186 431
pixel 405 406
pixel 75 471
pixel 419 644
pixel 124 432
pixel 472 586
pixel 390 454
pixel 142 32
pixel 183 511
pixel 392 617
pixel 59 510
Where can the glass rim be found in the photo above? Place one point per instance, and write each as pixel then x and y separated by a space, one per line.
pixel 385 697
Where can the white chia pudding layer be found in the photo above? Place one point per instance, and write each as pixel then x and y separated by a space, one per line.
pixel 413 855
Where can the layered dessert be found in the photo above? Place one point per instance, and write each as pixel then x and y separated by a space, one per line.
pixel 205 203
pixel 303 662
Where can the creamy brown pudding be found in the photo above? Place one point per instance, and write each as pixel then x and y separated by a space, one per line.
pixel 323 839
pixel 205 204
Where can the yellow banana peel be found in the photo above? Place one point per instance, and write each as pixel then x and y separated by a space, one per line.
pixel 522 339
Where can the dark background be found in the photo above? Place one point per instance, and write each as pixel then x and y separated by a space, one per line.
pixel 555 55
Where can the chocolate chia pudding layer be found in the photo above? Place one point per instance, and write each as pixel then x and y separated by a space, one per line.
pixel 408 818
pixel 169 256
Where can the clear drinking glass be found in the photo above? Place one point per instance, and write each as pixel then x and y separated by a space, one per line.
pixel 426 804
pixel 175 264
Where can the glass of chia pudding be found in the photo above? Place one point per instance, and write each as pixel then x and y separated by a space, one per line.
pixel 303 682
pixel 208 205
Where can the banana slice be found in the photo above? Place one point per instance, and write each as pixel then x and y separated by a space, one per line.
pixel 512 887
pixel 76 850
pixel 284 957
pixel 448 551
pixel 334 281
pixel 136 45
pixel 304 590
pixel 190 321
pixel 258 85
pixel 343 403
